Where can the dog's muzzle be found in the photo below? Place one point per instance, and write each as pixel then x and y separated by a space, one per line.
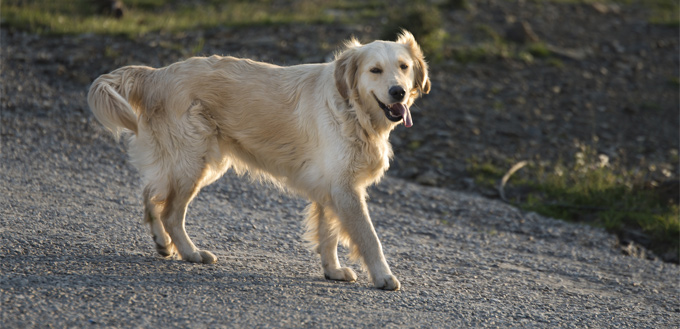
pixel 396 112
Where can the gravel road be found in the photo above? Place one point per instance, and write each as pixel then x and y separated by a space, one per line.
pixel 74 252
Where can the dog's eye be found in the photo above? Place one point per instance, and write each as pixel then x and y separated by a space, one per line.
pixel 403 66
pixel 376 70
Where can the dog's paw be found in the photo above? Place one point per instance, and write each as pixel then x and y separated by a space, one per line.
pixel 164 246
pixel 168 251
pixel 207 257
pixel 202 256
pixel 341 274
pixel 388 282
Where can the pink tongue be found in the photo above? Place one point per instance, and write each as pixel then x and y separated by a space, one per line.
pixel 402 110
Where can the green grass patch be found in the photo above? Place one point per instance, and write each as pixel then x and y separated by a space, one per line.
pixel 659 12
pixel 555 62
pixel 485 173
pixel 423 21
pixel 143 16
pixel 591 190
pixel 539 49
pixel 663 12
pixel 481 52
pixel 487 45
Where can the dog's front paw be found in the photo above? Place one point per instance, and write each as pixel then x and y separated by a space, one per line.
pixel 202 256
pixel 341 274
pixel 207 257
pixel 388 282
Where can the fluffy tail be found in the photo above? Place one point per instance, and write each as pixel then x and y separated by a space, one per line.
pixel 110 96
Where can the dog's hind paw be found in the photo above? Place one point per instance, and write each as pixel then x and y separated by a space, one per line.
pixel 164 246
pixel 341 274
pixel 202 256
pixel 388 282
pixel 167 251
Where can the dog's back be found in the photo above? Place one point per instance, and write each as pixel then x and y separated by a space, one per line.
pixel 262 118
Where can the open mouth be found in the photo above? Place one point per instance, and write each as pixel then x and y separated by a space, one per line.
pixel 396 112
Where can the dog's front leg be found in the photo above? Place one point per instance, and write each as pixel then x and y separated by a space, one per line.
pixel 321 222
pixel 350 205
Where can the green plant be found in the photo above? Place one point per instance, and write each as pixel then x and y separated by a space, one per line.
pixel 665 12
pixel 538 49
pixel 456 4
pixel 143 16
pixel 424 22
pixel 555 62
pixel 589 189
pixel 480 52
pixel 659 12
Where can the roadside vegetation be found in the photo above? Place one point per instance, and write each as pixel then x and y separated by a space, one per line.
pixel 589 189
pixel 144 16
pixel 423 18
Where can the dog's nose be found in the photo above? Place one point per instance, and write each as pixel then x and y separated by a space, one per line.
pixel 397 93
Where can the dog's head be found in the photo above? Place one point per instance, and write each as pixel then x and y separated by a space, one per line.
pixel 382 79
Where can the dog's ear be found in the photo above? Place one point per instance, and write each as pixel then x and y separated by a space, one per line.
pixel 346 65
pixel 422 78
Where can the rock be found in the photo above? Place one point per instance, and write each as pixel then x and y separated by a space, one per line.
pixel 113 8
pixel 429 178
pixel 409 172
pixel 606 8
pixel 577 54
pixel 469 183
pixel 521 32
pixel 600 8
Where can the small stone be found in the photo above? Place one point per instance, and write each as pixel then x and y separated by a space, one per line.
pixel 521 32
pixel 576 54
pixel 606 8
pixel 600 8
pixel 429 178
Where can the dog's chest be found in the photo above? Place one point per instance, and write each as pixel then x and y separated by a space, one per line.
pixel 373 161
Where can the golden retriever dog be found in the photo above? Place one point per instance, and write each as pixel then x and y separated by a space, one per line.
pixel 319 130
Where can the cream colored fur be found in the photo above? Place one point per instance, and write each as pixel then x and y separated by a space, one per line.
pixel 314 129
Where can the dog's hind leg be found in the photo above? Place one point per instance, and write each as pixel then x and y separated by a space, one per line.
pixel 323 231
pixel 166 197
pixel 164 244
pixel 173 218
pixel 176 173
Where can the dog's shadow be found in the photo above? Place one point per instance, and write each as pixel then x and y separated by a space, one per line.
pixel 146 272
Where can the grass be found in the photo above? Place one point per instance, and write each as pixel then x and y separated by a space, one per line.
pixel 660 12
pixel 424 21
pixel 143 16
pixel 674 81
pixel 589 189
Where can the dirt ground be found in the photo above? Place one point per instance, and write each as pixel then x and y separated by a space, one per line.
pixel 610 83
